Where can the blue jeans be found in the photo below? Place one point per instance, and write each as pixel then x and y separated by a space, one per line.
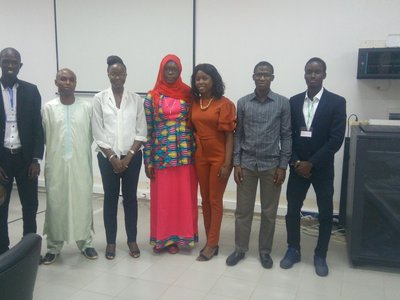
pixel 111 185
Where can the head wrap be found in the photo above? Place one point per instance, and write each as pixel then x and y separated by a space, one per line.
pixel 177 90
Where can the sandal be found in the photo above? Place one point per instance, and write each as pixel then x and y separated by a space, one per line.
pixel 203 257
pixel 173 249
pixel 110 251
pixel 158 250
pixel 134 250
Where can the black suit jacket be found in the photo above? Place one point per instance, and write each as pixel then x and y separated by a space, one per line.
pixel 29 121
pixel 328 129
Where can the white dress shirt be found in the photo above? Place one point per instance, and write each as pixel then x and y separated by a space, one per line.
pixel 11 135
pixel 310 107
pixel 117 128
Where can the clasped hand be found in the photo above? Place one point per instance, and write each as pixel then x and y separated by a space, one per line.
pixel 303 168
pixel 120 165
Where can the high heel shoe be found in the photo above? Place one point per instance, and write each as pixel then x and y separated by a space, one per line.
pixel 202 249
pixel 110 251
pixel 134 250
pixel 173 249
pixel 158 250
pixel 203 257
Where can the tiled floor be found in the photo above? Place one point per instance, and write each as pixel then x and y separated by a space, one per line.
pixel 179 276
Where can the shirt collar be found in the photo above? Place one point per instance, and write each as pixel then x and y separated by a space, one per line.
pixel 269 96
pixel 15 86
pixel 317 97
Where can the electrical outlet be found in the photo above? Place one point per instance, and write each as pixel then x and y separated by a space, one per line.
pixel 373 44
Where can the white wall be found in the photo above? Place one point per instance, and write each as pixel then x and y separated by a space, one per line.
pixel 129 32
pixel 234 35
pixel 28 26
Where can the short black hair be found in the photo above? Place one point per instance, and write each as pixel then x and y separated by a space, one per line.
pixel 114 59
pixel 10 49
pixel 218 88
pixel 319 61
pixel 264 63
pixel 65 69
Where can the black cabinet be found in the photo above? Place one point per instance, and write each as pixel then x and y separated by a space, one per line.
pixel 373 195
pixel 378 63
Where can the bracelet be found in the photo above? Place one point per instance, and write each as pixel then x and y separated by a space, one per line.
pixel 131 151
pixel 111 157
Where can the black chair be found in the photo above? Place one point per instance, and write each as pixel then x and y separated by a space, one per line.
pixel 18 268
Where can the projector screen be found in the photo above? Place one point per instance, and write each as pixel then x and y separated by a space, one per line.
pixel 140 32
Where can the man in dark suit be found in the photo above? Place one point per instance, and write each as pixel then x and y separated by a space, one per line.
pixel 21 142
pixel 318 128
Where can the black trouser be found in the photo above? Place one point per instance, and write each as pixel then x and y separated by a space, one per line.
pixel 296 193
pixel 111 185
pixel 17 168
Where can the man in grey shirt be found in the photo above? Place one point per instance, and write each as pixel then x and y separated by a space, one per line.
pixel 262 149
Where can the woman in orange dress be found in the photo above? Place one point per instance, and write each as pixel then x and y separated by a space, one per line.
pixel 213 118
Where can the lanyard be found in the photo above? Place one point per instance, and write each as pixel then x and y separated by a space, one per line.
pixel 11 95
pixel 310 112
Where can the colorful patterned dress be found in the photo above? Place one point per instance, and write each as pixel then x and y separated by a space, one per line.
pixel 173 192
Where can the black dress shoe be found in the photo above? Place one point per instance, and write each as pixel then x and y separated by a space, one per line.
pixel 234 258
pixel 90 253
pixel 266 260
pixel 49 258
pixel 321 268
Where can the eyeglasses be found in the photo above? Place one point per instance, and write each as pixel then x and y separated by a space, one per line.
pixel 265 75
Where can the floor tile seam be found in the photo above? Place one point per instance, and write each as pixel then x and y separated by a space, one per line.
pixel 176 283
pixel 146 280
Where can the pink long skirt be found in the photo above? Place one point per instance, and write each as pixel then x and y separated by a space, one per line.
pixel 173 207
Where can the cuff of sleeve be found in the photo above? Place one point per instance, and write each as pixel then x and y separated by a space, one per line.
pixel 140 138
pixel 103 145
pixel 236 160
pixel 283 165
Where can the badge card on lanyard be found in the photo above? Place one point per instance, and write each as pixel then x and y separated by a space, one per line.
pixel 307 131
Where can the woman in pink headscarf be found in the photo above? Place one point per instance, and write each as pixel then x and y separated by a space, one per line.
pixel 168 158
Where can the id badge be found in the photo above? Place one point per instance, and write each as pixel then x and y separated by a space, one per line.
pixel 305 133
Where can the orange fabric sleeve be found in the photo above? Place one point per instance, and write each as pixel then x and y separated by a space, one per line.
pixel 227 117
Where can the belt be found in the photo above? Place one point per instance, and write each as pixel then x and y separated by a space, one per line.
pixel 12 151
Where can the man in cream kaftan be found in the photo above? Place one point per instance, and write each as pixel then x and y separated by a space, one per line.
pixel 68 170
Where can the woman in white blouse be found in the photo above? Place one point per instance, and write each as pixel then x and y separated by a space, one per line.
pixel 119 130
